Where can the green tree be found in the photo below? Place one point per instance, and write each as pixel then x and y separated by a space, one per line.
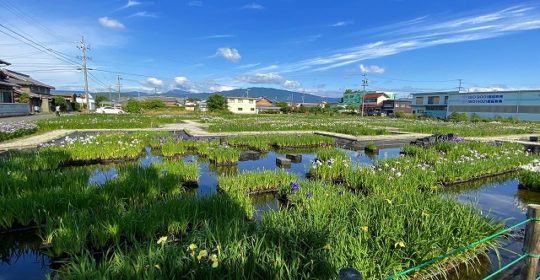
pixel 153 104
pixel 133 106
pixel 216 102
pixel 100 99
pixel 284 107
pixel 60 101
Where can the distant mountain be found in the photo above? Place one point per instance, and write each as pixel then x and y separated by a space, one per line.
pixel 272 93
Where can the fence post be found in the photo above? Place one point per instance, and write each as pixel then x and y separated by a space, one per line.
pixel 531 245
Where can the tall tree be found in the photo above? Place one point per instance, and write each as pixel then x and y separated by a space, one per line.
pixel 216 103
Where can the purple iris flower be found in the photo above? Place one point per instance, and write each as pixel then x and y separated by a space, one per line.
pixel 295 186
pixel 164 172
pixel 309 195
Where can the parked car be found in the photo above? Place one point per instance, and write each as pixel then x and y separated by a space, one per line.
pixel 109 110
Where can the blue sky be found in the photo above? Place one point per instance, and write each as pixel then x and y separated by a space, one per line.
pixel 320 47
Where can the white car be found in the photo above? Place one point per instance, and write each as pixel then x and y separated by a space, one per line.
pixel 109 110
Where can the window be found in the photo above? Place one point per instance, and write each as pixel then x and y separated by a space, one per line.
pixel 419 100
pixel 434 100
pixel 446 100
pixel 371 100
pixel 252 109
pixel 250 101
pixel 239 108
pixel 5 97
pixel 230 100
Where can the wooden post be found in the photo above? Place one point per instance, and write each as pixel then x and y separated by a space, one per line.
pixel 531 245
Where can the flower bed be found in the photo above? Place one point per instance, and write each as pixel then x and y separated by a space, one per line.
pixel 15 130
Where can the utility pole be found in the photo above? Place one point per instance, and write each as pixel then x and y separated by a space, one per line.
pixel 110 95
pixel 460 87
pixel 83 47
pixel 247 92
pixel 303 93
pixel 364 85
pixel 118 85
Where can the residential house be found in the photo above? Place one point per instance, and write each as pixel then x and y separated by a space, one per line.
pixel 69 97
pixel 203 106
pixel 8 105
pixel 39 93
pixel 391 106
pixel 6 87
pixel 242 105
pixel 431 104
pixel 265 104
pixel 83 102
pixel 373 102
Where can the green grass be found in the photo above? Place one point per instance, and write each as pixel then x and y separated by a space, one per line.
pixel 328 229
pixel 266 142
pixel 249 182
pixel 223 155
pixel 530 180
pixel 98 121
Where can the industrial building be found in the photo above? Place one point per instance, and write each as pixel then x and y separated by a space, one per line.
pixel 517 104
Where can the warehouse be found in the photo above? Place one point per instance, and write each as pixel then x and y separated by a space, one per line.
pixel 517 104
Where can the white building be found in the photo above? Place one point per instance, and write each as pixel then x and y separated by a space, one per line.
pixel 82 101
pixel 242 105
pixel 517 104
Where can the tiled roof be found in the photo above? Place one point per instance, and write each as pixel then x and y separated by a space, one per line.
pixel 23 80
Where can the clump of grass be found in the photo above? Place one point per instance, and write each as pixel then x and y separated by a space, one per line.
pixel 185 172
pixel 265 142
pixel 371 147
pixel 253 182
pixel 331 164
pixel 223 156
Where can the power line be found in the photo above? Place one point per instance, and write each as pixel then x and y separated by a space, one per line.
pixel 34 44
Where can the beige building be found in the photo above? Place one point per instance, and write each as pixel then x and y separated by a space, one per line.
pixel 242 105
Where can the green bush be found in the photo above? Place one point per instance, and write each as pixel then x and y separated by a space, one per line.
pixel 459 117
pixel 152 104
pixel 133 106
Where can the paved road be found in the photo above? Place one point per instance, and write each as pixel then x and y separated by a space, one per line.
pixel 27 118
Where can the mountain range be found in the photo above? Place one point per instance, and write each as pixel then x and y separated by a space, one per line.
pixel 272 93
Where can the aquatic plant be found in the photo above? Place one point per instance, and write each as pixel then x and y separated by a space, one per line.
pixel 252 182
pixel 223 155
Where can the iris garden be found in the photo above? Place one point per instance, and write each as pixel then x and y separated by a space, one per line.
pixel 147 222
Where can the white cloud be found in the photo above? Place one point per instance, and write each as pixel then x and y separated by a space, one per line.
pixel 130 3
pixel 288 84
pixel 269 78
pixel 253 6
pixel 111 23
pixel 423 33
pixel 229 54
pixel 216 88
pixel 143 14
pixel 154 82
pixel 181 80
pixel 217 36
pixel 371 69
pixel 342 23
pixel 246 66
pixel 262 78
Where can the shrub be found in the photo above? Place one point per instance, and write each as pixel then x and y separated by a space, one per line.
pixel 133 106
pixel 459 117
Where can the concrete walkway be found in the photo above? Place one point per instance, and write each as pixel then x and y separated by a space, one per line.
pixel 200 130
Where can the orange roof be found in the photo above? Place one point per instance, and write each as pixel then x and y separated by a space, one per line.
pixel 374 95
